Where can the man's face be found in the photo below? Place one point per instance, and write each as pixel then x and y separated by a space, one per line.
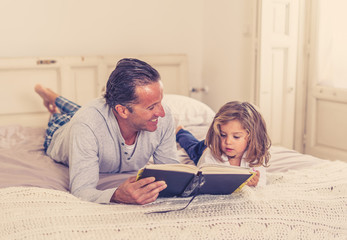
pixel 146 112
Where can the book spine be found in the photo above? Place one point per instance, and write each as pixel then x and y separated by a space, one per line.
pixel 195 184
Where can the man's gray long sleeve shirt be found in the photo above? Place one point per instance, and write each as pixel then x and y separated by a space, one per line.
pixel 91 143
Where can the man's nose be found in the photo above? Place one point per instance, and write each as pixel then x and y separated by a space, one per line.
pixel 160 112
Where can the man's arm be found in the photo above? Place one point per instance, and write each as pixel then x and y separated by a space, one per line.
pixel 84 174
pixel 84 165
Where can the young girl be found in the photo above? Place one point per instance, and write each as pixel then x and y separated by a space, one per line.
pixel 237 136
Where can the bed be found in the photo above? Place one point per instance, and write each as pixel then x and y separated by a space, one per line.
pixel 305 197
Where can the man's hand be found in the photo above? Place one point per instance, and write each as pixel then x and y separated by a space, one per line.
pixel 141 192
pixel 254 181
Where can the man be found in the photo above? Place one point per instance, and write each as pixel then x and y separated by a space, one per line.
pixel 114 134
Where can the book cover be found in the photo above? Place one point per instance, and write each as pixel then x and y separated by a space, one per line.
pixel 186 180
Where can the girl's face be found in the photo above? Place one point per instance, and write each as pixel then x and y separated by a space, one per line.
pixel 234 139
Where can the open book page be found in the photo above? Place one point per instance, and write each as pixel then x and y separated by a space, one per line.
pixel 223 169
pixel 174 167
pixel 169 167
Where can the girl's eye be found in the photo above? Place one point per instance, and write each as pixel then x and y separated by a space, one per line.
pixel 223 135
pixel 236 137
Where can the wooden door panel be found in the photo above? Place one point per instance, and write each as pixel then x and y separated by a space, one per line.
pixel 277 68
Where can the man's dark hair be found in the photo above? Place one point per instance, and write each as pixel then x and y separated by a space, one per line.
pixel 128 74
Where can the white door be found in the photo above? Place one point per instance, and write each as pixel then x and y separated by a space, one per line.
pixel 326 127
pixel 278 32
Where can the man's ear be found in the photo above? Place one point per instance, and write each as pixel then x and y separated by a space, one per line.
pixel 122 111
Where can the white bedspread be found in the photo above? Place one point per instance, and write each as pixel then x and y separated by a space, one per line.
pixel 297 204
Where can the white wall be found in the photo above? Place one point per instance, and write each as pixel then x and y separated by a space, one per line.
pixel 228 63
pixel 98 27
pixel 210 32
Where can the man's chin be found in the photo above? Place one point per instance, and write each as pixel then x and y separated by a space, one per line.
pixel 151 128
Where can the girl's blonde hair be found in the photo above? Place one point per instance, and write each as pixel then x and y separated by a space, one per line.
pixel 251 120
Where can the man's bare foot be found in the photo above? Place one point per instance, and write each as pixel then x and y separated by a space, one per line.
pixel 48 97
pixel 179 128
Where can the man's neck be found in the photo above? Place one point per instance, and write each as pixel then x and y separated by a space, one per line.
pixel 128 134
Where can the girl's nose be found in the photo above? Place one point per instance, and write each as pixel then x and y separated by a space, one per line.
pixel 229 140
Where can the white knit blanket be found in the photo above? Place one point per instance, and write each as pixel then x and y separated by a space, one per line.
pixel 306 204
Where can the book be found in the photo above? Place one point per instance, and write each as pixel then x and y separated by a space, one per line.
pixel 186 180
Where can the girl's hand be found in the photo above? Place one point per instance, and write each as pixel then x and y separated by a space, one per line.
pixel 254 181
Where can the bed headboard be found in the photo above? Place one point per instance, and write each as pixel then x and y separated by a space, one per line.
pixel 77 78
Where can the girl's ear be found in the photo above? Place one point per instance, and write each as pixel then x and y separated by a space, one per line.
pixel 248 138
pixel 122 111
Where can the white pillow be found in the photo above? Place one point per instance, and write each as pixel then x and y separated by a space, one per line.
pixel 188 111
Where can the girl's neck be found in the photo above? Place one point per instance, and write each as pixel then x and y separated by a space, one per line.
pixel 234 161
